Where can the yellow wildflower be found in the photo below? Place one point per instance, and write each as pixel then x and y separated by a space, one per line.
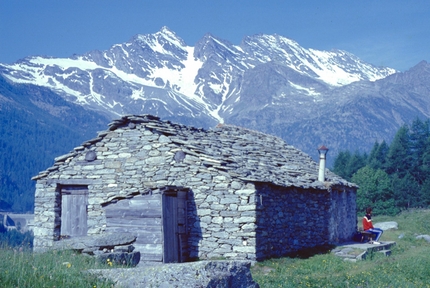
pixel 67 264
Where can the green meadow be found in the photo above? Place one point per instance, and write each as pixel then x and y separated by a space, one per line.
pixel 22 268
pixel 408 265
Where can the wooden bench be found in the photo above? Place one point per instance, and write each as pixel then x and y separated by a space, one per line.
pixel 366 236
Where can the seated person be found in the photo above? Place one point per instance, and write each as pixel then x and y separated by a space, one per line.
pixel 368 226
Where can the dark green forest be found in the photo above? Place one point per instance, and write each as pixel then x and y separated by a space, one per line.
pixel 36 125
pixel 393 177
pixel 27 147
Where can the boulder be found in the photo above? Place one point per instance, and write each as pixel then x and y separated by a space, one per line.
pixel 107 248
pixel 425 237
pixel 386 225
pixel 220 274
pixel 87 244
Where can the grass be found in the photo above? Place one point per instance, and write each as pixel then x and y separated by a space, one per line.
pixel 21 268
pixel 406 267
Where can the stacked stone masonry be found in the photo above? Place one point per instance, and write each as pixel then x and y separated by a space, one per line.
pixel 251 195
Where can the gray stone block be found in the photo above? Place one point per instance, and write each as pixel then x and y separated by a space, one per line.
pixel 120 258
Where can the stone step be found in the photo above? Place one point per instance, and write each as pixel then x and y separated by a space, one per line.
pixel 351 252
pixel 385 252
pixel 346 256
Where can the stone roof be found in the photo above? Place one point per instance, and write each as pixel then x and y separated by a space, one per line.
pixel 243 153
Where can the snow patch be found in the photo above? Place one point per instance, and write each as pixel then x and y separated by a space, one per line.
pixel 309 91
pixel 138 94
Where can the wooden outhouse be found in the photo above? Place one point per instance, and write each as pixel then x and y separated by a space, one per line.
pixel 189 193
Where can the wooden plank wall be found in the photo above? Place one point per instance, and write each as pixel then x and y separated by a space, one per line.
pixel 140 216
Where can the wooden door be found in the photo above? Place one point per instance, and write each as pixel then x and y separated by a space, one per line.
pixel 174 225
pixel 74 200
pixel 170 229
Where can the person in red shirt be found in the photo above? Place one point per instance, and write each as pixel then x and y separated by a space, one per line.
pixel 368 226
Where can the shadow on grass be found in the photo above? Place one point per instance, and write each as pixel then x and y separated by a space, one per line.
pixel 309 252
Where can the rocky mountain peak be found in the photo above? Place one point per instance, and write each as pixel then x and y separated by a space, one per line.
pixel 268 83
pixel 163 37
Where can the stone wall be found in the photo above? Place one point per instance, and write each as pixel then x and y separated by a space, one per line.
pixel 292 219
pixel 225 222
pixel 133 162
pixel 343 214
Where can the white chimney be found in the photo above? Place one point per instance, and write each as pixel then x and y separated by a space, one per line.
pixel 322 150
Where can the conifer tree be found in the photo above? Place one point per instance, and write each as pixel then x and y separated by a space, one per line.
pixel 398 157
pixel 425 193
pixel 340 164
pixel 378 155
pixel 419 135
pixel 406 191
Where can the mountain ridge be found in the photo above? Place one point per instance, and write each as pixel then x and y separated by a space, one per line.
pixel 206 75
pixel 267 82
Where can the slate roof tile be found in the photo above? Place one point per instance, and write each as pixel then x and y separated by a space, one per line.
pixel 243 153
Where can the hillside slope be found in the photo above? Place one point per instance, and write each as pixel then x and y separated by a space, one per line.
pixel 36 125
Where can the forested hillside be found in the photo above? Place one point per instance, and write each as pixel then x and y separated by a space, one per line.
pixel 392 177
pixel 36 126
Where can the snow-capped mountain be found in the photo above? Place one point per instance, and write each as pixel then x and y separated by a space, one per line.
pixel 267 83
pixel 205 84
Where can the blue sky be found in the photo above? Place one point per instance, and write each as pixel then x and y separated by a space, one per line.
pixel 390 33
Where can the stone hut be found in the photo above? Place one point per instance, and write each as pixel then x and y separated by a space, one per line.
pixel 189 193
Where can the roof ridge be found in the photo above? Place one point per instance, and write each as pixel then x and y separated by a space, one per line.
pixel 232 126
